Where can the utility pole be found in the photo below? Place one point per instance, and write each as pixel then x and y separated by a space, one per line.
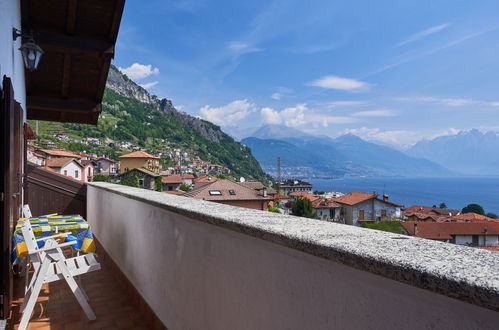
pixel 279 163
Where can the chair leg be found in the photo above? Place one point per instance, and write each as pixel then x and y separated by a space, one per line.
pixel 77 291
pixel 33 296
pixel 78 281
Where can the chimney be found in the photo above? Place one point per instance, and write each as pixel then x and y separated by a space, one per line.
pixel 264 192
pixel 385 197
pixel 415 229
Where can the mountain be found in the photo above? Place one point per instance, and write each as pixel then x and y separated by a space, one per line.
pixel 131 114
pixel 277 132
pixel 468 152
pixel 348 155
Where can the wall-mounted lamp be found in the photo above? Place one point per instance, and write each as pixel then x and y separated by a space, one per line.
pixel 31 52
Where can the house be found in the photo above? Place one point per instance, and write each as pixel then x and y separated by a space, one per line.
pixel 106 166
pixel 139 159
pixel 172 182
pixel 303 194
pixel 34 157
pixel 232 193
pixel 88 169
pixel 358 207
pixel 188 179
pixel 203 180
pixel 445 212
pixel 66 166
pixel 461 233
pixel 58 153
pixel 289 186
pixel 327 209
pixel 147 179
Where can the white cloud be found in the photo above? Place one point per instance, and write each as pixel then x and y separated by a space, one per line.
pixel 400 138
pixel 149 85
pixel 452 102
pixel 138 71
pixel 228 114
pixel 242 47
pixel 301 115
pixel 276 96
pixel 334 82
pixel 421 34
pixel 375 113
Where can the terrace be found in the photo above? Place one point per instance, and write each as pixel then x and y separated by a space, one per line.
pixel 194 264
pixel 180 263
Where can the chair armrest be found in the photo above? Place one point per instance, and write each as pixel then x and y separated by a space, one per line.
pixel 53 236
pixel 56 246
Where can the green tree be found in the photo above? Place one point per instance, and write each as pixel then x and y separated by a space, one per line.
pixel 135 181
pixel 303 208
pixel 185 187
pixel 158 183
pixel 270 208
pixel 101 178
pixel 443 205
pixel 475 208
pixel 492 215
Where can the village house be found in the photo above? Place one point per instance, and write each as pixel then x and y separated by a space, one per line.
pixel 66 166
pixel 139 159
pixel 289 186
pixel 461 233
pixel 327 209
pixel 88 169
pixel 57 153
pixel 106 166
pixel 358 207
pixel 232 193
pixel 34 157
pixel 172 182
pixel 147 179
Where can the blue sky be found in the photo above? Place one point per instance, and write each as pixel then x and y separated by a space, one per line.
pixel 389 71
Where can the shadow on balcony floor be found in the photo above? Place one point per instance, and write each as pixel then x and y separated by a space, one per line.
pixel 57 308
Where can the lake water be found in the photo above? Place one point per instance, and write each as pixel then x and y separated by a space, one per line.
pixel 455 192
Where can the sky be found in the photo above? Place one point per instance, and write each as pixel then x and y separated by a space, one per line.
pixel 389 71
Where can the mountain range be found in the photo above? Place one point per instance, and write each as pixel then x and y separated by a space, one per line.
pixel 305 155
pixel 469 152
pixel 130 114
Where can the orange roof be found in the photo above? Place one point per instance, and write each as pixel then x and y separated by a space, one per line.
pixel 355 197
pixel 418 209
pixel 59 152
pixel 490 248
pixel 188 176
pixel 60 162
pixel 226 190
pixel 445 230
pixel 139 154
pixel 324 203
pixel 206 178
pixel 278 196
pixel 304 194
pixel 471 217
pixel 175 192
pixel 174 178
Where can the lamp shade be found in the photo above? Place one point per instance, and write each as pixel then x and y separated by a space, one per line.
pixel 32 54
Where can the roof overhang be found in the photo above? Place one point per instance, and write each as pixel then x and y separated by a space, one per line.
pixel 78 40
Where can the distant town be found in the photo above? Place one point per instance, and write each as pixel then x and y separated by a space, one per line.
pixel 192 177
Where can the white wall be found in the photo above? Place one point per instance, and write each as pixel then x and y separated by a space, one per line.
pixel 489 240
pixel 11 63
pixel 71 168
pixel 196 275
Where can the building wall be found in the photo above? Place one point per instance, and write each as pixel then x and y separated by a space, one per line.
pixel 209 277
pixel 11 63
pixel 145 181
pixel 71 168
pixel 88 173
pixel 325 214
pixel 257 205
pixel 489 240
pixel 372 211
pixel 132 163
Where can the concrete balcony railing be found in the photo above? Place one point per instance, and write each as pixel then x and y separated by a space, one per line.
pixel 202 265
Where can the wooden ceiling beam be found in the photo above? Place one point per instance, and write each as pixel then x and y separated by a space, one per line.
pixel 115 24
pixel 71 16
pixel 63 43
pixel 66 76
pixel 53 104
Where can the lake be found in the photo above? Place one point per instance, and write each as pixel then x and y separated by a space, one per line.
pixel 455 192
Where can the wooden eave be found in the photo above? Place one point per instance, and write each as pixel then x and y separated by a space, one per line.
pixel 78 38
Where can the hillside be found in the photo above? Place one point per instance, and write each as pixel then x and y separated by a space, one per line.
pixel 468 152
pixel 348 155
pixel 130 115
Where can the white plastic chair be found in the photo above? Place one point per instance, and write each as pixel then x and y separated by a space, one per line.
pixel 50 264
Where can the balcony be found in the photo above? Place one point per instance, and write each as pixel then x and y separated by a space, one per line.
pixel 192 264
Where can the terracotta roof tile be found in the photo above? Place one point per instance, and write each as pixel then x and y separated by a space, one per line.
pixel 60 162
pixel 304 194
pixel 224 187
pixel 174 178
pixel 206 178
pixel 355 197
pixel 445 230
pixel 60 153
pixel 139 154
